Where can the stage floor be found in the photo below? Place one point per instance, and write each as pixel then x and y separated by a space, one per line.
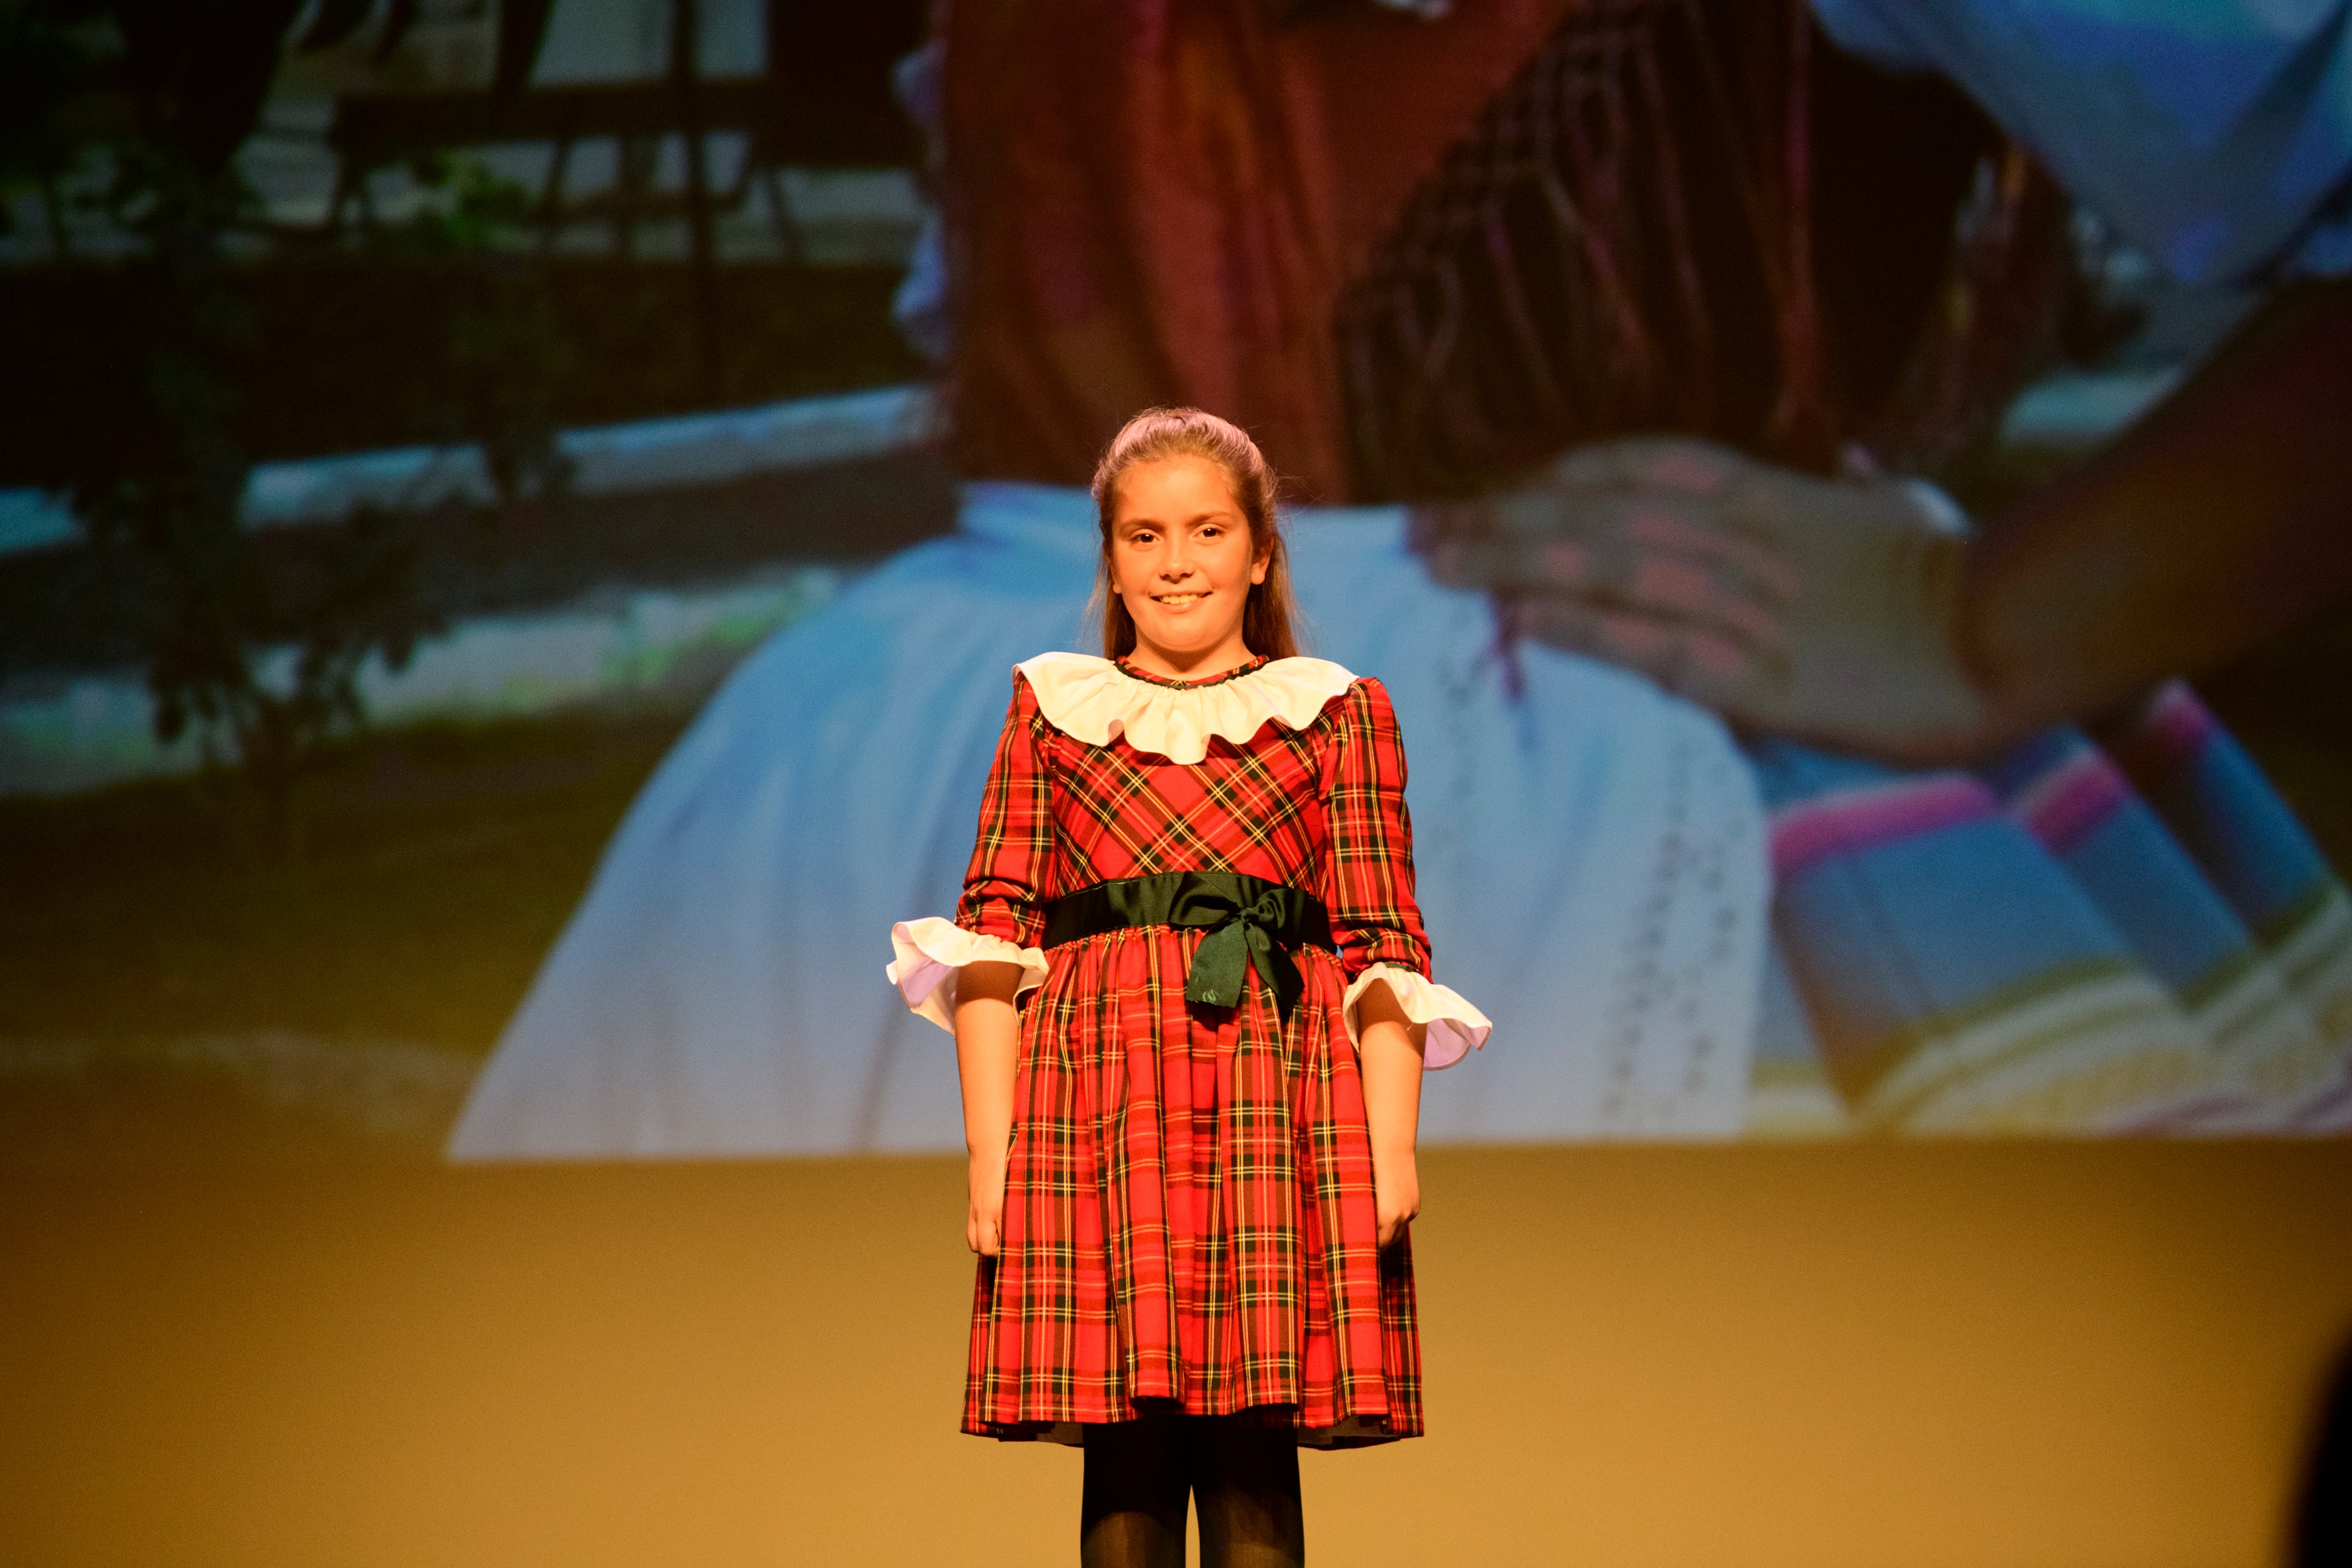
pixel 1843 1355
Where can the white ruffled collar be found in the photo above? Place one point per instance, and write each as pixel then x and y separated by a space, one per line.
pixel 1094 700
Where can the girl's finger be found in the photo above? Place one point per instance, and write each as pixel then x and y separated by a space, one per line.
pixel 1610 546
pixel 1567 563
pixel 1740 551
pixel 1654 586
pixel 1672 588
pixel 1682 464
pixel 1687 659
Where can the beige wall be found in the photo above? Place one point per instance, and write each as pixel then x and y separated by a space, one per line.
pixel 1868 1354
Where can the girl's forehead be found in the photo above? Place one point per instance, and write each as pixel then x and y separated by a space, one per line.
pixel 1175 488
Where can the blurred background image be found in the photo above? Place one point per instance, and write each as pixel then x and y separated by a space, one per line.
pixel 516 518
pixel 425 419
pixel 403 389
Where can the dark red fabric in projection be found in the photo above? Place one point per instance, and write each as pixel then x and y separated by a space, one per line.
pixel 1147 207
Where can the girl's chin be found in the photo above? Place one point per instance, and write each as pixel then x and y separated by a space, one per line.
pixel 1184 632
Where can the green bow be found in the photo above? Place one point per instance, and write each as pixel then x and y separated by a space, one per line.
pixel 1242 939
pixel 1251 924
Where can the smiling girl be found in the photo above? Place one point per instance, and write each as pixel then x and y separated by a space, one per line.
pixel 1190 991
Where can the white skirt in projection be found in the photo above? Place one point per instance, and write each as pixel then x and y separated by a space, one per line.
pixel 1590 861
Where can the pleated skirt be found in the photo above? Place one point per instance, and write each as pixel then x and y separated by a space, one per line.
pixel 1188 1213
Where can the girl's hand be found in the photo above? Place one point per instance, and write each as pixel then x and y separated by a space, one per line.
pixel 1396 1195
pixel 1823 609
pixel 983 1224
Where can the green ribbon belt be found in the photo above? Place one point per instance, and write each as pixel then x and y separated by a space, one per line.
pixel 1251 922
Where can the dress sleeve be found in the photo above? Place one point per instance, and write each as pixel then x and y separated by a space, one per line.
pixel 998 920
pixel 1375 920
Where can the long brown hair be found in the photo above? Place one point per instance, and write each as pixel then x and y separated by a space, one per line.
pixel 1270 615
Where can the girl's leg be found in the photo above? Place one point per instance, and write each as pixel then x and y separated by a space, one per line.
pixel 1136 1490
pixel 1245 1490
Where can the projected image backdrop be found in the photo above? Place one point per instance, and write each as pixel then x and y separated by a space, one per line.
pixel 1759 449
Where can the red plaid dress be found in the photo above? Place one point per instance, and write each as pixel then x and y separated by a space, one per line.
pixel 1189 1212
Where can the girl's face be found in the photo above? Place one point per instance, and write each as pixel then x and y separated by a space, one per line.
pixel 1181 562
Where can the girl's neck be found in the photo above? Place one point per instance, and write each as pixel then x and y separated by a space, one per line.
pixel 1231 654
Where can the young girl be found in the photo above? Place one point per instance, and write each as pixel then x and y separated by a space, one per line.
pixel 1190 992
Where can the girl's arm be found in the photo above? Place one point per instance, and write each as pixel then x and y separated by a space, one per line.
pixel 1388 1055
pixel 1012 859
pixel 988 1050
pixel 1839 613
pixel 1393 1008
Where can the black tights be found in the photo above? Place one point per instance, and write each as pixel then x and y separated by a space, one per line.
pixel 1242 1480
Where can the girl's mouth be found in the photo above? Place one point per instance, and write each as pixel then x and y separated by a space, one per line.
pixel 1177 601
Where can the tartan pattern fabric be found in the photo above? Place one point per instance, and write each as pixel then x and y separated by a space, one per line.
pixel 1189 1206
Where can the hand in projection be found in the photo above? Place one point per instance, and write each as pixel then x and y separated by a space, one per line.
pixel 1800 606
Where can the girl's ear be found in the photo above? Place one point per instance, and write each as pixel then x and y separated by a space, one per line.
pixel 1260 560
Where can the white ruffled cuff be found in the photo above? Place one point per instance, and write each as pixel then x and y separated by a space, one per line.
pixel 1454 1027
pixel 932 954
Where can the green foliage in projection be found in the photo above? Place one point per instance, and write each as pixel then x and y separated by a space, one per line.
pixel 257 653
